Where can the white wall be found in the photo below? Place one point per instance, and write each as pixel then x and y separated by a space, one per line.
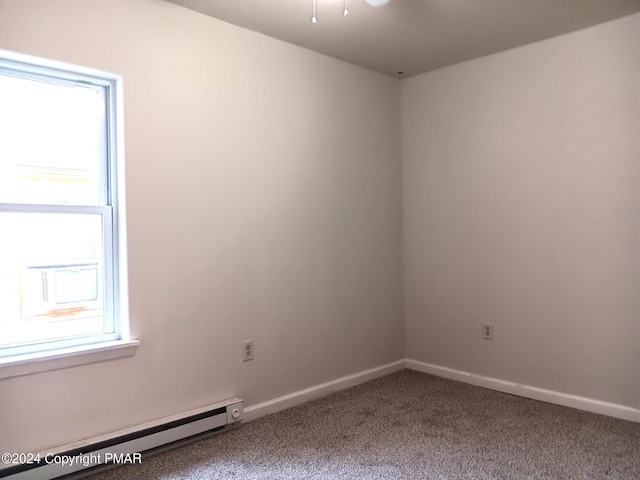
pixel 264 202
pixel 521 184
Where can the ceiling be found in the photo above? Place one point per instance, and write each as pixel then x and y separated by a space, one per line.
pixel 413 36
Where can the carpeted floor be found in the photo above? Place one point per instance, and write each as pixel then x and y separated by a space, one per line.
pixel 409 425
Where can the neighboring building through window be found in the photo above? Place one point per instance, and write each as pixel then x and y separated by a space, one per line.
pixel 62 258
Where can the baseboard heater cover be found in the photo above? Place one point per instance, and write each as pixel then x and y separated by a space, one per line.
pixel 125 446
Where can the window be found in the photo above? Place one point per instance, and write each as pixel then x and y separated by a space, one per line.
pixel 62 258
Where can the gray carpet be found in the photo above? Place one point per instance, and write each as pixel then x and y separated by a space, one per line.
pixel 409 425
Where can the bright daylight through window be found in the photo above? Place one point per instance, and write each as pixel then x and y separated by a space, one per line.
pixel 61 233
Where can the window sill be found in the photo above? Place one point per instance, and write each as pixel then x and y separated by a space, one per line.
pixel 68 357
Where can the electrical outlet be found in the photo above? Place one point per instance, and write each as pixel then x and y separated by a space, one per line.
pixel 487 332
pixel 247 350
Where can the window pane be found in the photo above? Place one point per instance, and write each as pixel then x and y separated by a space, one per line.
pixel 51 268
pixel 51 139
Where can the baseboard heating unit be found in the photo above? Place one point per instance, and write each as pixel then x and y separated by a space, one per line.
pixel 129 446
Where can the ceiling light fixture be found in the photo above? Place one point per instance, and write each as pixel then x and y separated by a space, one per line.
pixel 345 12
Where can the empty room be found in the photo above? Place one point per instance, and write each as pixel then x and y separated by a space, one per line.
pixel 324 239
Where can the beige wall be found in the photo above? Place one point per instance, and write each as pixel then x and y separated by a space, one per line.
pixel 264 202
pixel 521 184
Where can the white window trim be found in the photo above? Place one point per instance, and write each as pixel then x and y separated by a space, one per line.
pixel 55 359
pixel 65 358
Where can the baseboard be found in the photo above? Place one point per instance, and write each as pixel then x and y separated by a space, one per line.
pixel 126 446
pixel 550 396
pixel 301 396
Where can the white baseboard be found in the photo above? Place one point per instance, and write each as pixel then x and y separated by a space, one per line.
pixel 527 391
pixel 301 396
pixel 550 396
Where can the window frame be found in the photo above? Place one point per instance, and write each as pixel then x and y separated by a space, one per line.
pixel 111 208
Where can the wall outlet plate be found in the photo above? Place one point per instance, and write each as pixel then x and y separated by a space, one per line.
pixel 247 350
pixel 487 332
